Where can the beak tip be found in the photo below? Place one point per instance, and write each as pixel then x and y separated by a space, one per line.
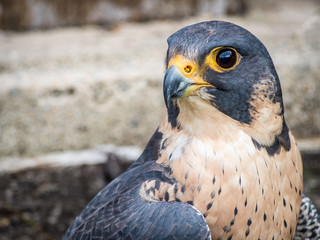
pixel 174 84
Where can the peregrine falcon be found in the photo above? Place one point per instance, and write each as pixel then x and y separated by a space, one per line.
pixel 222 164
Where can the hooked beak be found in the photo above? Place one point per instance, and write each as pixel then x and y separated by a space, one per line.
pixel 178 83
pixel 175 84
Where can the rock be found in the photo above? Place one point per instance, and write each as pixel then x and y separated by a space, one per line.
pixel 41 199
pixel 103 154
pixel 42 203
pixel 302 79
pixel 63 91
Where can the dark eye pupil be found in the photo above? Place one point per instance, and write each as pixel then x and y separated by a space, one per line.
pixel 226 58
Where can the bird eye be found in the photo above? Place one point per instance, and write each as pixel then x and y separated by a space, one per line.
pixel 222 59
pixel 226 58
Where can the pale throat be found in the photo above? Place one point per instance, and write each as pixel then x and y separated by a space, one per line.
pixel 199 118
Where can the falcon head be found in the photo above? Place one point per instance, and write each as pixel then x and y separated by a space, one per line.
pixel 221 77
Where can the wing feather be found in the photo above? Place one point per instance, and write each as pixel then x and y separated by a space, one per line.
pixel 118 212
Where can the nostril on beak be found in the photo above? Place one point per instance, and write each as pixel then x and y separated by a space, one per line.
pixel 188 68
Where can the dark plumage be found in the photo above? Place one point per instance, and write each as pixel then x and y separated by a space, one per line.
pixel 222 164
pixel 118 212
pixel 308 222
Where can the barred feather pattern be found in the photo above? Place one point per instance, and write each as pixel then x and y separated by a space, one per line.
pixel 309 221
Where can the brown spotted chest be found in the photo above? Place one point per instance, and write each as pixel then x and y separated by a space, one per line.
pixel 242 192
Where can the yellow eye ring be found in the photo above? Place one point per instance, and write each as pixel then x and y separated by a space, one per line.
pixel 222 59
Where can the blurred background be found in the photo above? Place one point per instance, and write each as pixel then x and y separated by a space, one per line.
pixel 81 93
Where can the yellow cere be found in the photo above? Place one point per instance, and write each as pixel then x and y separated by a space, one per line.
pixel 190 70
pixel 186 66
pixel 211 59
